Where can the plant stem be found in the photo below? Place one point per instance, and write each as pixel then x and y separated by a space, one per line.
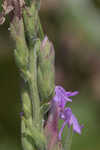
pixel 32 82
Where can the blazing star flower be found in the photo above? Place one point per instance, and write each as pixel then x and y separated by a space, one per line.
pixel 60 99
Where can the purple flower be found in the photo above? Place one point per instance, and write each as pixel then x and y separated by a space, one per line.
pixel 21 114
pixel 60 99
pixel 70 120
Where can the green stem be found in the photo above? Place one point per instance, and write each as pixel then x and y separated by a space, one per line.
pixel 68 139
pixel 26 119
pixel 32 82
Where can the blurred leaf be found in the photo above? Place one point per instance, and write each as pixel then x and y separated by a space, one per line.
pixel 87 16
pixel 8 142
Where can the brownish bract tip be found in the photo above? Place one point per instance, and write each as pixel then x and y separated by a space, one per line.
pixel 11 7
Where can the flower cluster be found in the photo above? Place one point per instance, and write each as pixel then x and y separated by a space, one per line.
pixel 65 113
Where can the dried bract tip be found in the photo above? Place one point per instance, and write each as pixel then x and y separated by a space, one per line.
pixel 14 6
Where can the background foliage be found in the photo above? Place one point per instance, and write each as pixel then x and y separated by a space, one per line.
pixel 73 26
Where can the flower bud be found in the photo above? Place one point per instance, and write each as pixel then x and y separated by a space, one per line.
pixel 46 70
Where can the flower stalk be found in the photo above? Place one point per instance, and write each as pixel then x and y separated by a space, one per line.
pixel 34 58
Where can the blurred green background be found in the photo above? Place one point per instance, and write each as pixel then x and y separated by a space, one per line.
pixel 74 28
